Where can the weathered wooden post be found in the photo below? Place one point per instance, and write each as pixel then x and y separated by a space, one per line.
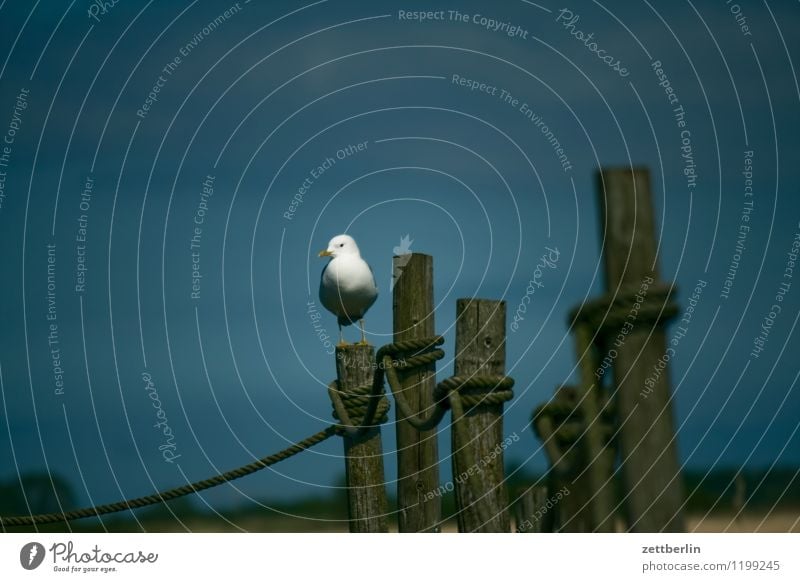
pixel 560 426
pixel 366 492
pixel 597 449
pixel 417 451
pixel 650 469
pixel 481 494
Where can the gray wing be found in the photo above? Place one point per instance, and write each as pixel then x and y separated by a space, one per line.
pixel 322 289
pixel 322 274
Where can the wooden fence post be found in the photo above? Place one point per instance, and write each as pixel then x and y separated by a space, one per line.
pixel 366 492
pixel 560 426
pixel 650 470
pixel 481 495
pixel 417 452
pixel 531 512
pixel 599 453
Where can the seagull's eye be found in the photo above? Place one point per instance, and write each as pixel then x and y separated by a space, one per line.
pixel 341 244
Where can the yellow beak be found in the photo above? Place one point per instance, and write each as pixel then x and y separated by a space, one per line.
pixel 325 253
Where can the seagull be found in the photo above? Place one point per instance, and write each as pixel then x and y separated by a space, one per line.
pixel 347 286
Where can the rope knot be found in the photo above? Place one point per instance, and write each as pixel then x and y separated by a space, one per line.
pixel 410 354
pixel 350 408
pixel 647 305
pixel 366 406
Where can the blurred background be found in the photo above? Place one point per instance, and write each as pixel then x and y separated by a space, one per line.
pixel 170 170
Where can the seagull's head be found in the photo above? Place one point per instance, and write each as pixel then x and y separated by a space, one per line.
pixel 341 245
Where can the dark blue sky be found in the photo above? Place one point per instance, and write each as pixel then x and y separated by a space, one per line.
pixel 260 97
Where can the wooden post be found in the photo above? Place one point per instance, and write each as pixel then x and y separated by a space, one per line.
pixel 650 470
pixel 417 452
pixel 560 426
pixel 597 450
pixel 366 492
pixel 481 495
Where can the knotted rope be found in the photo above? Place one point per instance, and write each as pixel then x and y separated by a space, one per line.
pixel 645 306
pixel 358 409
pixel 458 393
pixel 475 391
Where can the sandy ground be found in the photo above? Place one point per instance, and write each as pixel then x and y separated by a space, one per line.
pixel 777 522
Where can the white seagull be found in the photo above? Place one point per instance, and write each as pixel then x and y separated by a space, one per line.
pixel 347 286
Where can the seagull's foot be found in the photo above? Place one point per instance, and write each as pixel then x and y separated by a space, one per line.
pixel 342 344
pixel 364 342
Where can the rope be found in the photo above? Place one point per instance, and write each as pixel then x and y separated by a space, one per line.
pixel 465 393
pixel 477 390
pixel 611 311
pixel 359 409
pixel 177 492
pixel 407 355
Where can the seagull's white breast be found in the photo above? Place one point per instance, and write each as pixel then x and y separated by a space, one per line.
pixel 347 287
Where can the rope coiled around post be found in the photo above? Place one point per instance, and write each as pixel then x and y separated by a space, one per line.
pixel 358 409
pixel 457 393
pixel 408 355
pixel 177 492
pixel 611 311
pixel 477 390
pixel 363 407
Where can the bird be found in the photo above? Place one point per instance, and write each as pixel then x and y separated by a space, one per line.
pixel 347 285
